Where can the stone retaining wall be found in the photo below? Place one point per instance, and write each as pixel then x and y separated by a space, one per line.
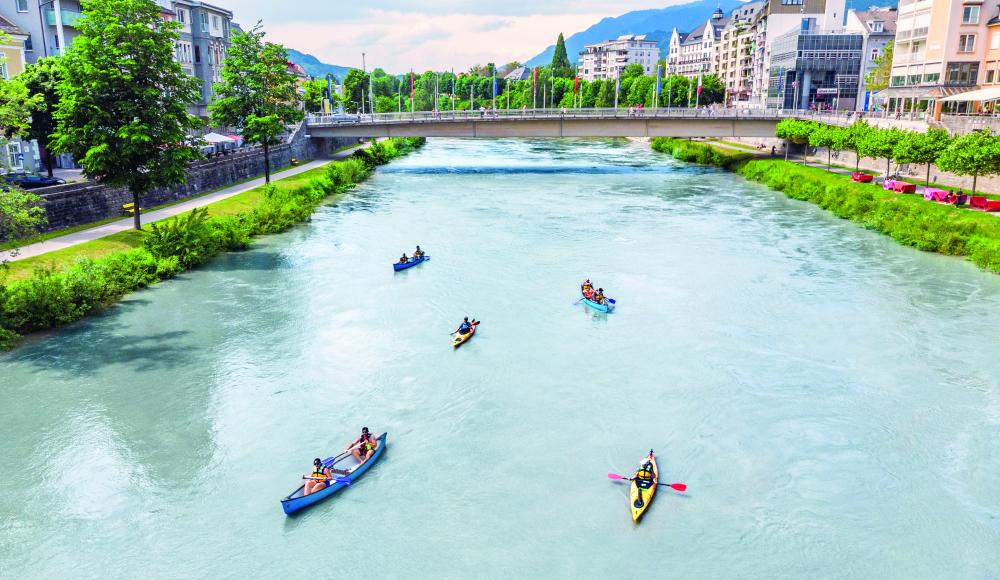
pixel 82 203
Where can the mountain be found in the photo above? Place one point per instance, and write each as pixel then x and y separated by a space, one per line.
pixel 685 17
pixel 314 67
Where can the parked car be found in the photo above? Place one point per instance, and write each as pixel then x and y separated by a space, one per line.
pixel 36 181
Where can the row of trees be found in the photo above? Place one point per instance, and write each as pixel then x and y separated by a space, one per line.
pixel 118 101
pixel 976 154
pixel 463 91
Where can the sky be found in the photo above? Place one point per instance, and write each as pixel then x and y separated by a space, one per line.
pixel 399 35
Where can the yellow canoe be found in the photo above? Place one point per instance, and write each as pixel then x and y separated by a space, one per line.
pixel 461 339
pixel 641 492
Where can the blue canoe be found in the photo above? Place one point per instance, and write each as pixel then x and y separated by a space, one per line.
pixel 397 266
pixel 600 307
pixel 343 468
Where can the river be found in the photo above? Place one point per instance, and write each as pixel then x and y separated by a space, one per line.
pixel 831 398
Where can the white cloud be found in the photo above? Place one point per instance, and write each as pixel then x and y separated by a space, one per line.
pixel 398 40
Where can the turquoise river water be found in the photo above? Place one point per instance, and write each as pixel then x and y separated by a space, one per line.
pixel 832 399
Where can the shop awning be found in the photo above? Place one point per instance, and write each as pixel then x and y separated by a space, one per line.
pixel 921 93
pixel 987 94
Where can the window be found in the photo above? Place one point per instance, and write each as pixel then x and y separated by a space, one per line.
pixel 962 73
pixel 989 77
pixel 995 40
pixel 898 81
pixel 875 54
pixel 204 22
pixel 197 54
pixel 21 5
pixel 932 78
pixel 28 47
pixel 181 16
pixel 14 156
pixel 970 15
pixel 878 26
pixel 215 22
pixel 967 43
pixel 3 70
pixel 791 2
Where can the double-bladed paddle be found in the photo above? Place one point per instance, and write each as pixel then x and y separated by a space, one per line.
pixel 674 486
pixel 341 480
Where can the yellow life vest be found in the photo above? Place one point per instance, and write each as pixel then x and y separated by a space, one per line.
pixel 319 472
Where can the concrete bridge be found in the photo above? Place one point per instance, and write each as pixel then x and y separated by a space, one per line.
pixel 619 122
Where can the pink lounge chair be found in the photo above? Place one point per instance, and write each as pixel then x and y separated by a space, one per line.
pixel 930 195
pixel 889 185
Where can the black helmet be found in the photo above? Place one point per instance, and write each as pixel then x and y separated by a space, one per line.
pixel 364 429
pixel 466 318
pixel 317 461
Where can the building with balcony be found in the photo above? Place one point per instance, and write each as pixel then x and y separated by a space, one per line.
pixel 941 50
pixel 733 61
pixel 201 50
pixel 815 69
pixel 878 27
pixel 694 53
pixel 50 25
pixel 607 60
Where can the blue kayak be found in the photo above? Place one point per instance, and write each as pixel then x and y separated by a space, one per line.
pixel 346 469
pixel 600 307
pixel 397 266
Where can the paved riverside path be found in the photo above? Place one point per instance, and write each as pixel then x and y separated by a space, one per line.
pixel 83 236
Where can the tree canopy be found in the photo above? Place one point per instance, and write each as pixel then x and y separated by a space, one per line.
pixel 561 66
pixel 257 94
pixel 878 78
pixel 122 110
pixel 975 154
pixel 42 83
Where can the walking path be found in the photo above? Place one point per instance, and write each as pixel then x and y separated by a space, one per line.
pixel 125 224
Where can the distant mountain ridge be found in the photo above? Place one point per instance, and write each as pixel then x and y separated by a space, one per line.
pixel 684 17
pixel 314 67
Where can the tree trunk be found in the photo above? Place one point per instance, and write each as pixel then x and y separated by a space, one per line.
pixel 267 163
pixel 857 162
pixel 136 213
pixel 888 166
pixel 975 176
pixel 829 158
pixel 786 149
pixel 927 182
pixel 48 160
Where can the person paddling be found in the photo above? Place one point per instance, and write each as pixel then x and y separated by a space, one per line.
pixel 587 289
pixel 404 259
pixel 465 327
pixel 599 296
pixel 320 478
pixel 418 253
pixel 364 446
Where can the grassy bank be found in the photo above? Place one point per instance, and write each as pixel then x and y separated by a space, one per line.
pixel 909 219
pixel 65 286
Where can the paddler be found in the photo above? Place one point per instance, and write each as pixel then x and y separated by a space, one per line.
pixel 588 289
pixel 418 253
pixel 645 474
pixel 599 296
pixel 364 446
pixel 404 259
pixel 320 477
pixel 465 327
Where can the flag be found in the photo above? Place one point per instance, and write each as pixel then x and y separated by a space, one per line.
pixel 659 83
pixel 699 84
pixel 534 82
pixel 494 82
pixel 576 83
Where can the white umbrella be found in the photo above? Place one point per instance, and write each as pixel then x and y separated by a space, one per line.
pixel 214 138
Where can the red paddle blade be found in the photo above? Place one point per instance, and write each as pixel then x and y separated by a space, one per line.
pixel 678 486
pixel 615 476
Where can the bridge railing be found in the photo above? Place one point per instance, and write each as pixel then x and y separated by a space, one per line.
pixel 552 114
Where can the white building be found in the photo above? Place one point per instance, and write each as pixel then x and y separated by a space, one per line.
pixel 607 60
pixel 694 53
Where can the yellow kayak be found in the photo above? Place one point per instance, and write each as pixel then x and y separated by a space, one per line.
pixel 641 492
pixel 461 339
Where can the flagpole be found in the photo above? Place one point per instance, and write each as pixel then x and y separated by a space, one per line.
pixel 494 88
pixel 453 95
pixel 437 83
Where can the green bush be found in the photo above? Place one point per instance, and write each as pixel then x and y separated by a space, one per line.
pixel 701 153
pixel 50 299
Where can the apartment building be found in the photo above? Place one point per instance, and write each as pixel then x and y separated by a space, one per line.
pixel 201 49
pixel 992 77
pixel 694 53
pixel 815 69
pixel 734 53
pixel 878 28
pixel 607 60
pixel 941 50
pixel 49 26
pixel 16 155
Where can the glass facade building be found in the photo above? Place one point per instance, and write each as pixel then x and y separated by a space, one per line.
pixel 815 69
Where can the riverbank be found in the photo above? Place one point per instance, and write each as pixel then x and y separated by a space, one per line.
pixel 909 219
pixel 68 285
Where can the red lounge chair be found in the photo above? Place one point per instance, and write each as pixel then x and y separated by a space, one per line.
pixel 862 177
pixel 941 195
pixel 961 199
pixel 977 202
pixel 992 205
pixel 903 187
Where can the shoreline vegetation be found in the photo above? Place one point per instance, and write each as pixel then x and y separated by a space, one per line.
pixel 51 298
pixel 909 219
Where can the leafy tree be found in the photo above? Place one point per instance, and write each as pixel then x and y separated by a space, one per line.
pixel 880 144
pixel 975 154
pixel 632 71
pixel 356 90
pixel 16 104
pixel 123 99
pixel 561 66
pixel 825 136
pixel 712 90
pixel 21 214
pixel 675 90
pixel 42 82
pixel 606 95
pixel 923 148
pixel 257 94
pixel 794 131
pixel 878 78
pixel 851 138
